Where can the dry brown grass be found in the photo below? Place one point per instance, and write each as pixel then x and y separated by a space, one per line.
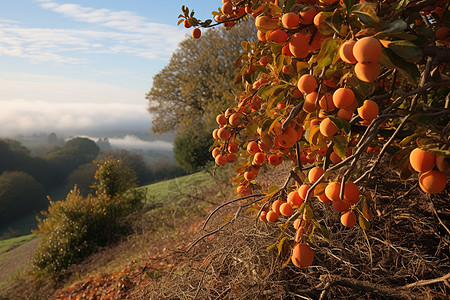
pixel 407 245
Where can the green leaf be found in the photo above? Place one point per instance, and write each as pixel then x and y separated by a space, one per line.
pixel 366 13
pixel 289 4
pixel 348 4
pixel 322 230
pixel 396 26
pixel 391 60
pixel 280 244
pixel 328 52
pixel 274 101
pixel 361 89
pixel 269 91
pixel 273 189
pixel 336 20
pixel 398 158
pixel 402 4
pixel 364 223
pixel 405 170
pixel 340 145
pixel 252 126
pixel 407 50
pixel 313 135
pixel 341 124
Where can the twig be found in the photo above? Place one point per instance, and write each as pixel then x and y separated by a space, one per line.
pixel 227 203
pixel 426 282
pixel 201 280
pixel 391 293
pixel 437 216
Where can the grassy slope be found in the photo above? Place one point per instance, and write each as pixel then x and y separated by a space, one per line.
pixel 15 254
pixel 162 197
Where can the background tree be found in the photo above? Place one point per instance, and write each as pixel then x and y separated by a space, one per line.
pixel 74 153
pixel 20 193
pixel 191 149
pixel 198 82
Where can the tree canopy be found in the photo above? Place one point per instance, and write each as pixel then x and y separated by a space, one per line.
pixel 198 81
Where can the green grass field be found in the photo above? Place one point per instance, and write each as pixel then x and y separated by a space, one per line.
pixel 9 244
pixel 172 198
pixel 177 187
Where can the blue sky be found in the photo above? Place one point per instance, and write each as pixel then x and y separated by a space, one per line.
pixel 68 66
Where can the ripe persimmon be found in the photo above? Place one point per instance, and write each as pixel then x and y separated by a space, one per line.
pixel 307 83
pixel 224 133
pixel 231 157
pixel 264 60
pixel 276 205
pixel 278 36
pixel 288 137
pixel 233 147
pixel 272 216
pixel 286 209
pixel 196 33
pixel 432 182
pixel 323 198
pixel 221 119
pixel 286 51
pixel 315 173
pixel 274 160
pixel 348 219
pixel 345 114
pixel 367 50
pixel 421 160
pixel 249 175
pixel 227 8
pixel 290 20
pixel 302 255
pixel 294 198
pixel 333 190
pixel 263 216
pixel 215 152
pixel 261 36
pixel 340 206
pixel 328 128
pixel 186 23
pixel 346 52
pixel 234 119
pixel 326 102
pixel 259 158
pixel 335 159
pixel 252 147
pixel 369 110
pixel 343 98
pixel 298 45
pixel 221 160
pixel 443 164
pixel 297 223
pixel 243 190
pixel 367 72
pixel 442 33
pixel 351 193
pixel 307 14
pixel 303 190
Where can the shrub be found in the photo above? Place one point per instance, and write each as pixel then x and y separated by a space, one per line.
pixel 76 227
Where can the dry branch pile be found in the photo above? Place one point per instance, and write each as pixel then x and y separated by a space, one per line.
pixel 405 255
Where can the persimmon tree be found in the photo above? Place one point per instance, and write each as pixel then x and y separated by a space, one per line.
pixel 338 88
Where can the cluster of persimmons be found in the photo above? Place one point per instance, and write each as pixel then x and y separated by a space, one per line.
pixel 310 87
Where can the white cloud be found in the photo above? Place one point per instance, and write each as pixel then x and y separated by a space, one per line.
pixel 24 117
pixel 60 89
pixel 33 103
pixel 131 142
pixel 115 32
